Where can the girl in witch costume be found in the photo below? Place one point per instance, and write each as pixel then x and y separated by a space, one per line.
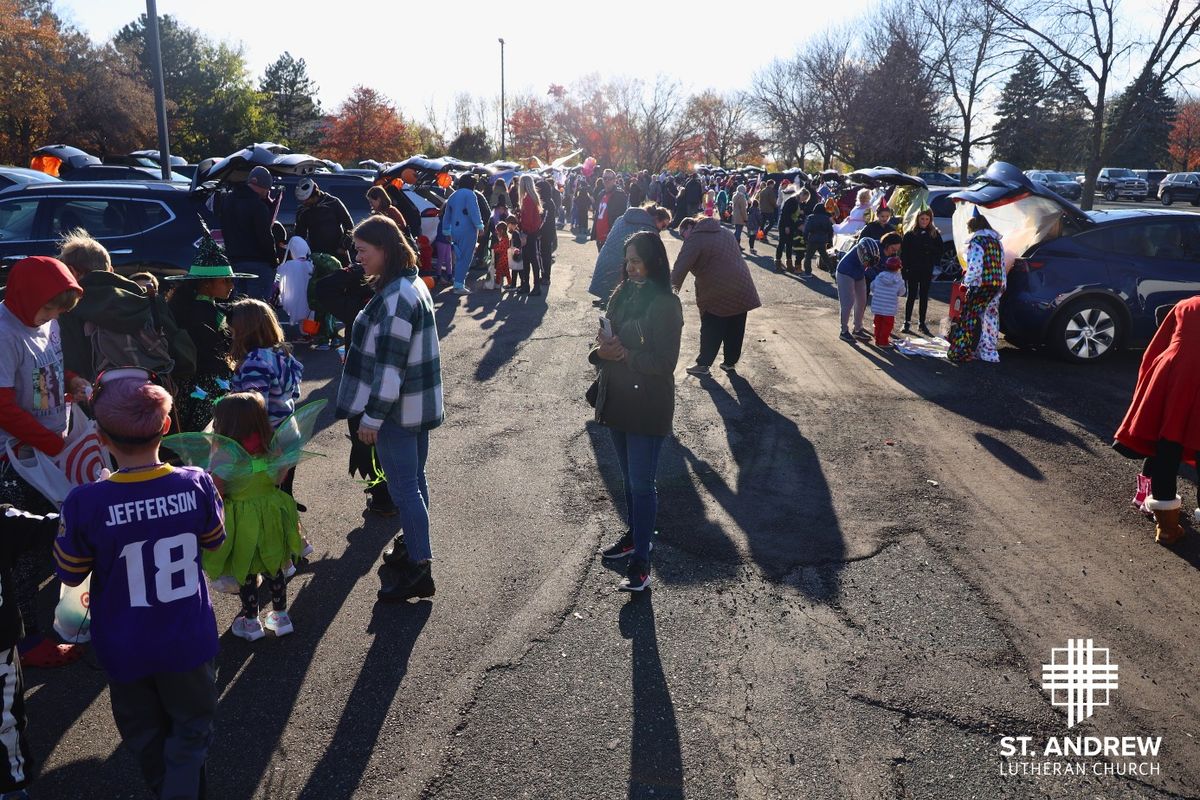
pixel 977 330
pixel 198 305
pixel 262 527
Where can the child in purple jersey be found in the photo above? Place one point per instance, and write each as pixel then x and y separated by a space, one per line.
pixel 139 534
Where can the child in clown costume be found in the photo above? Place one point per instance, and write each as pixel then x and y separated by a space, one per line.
pixel 976 332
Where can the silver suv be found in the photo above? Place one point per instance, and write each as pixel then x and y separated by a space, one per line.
pixel 1116 183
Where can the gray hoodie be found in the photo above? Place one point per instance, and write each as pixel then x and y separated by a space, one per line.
pixel 612 256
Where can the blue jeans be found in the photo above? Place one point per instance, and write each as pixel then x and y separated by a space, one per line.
pixel 402 453
pixel 637 453
pixel 260 287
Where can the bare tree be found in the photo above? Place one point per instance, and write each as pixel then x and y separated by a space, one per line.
pixel 779 101
pixel 832 77
pixel 656 127
pixel 966 55
pixel 1087 35
pixel 724 126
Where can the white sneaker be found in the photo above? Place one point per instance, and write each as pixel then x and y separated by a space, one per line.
pixel 289 570
pixel 279 623
pixel 307 551
pixel 226 584
pixel 248 628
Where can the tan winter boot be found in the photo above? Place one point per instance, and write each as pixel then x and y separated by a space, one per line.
pixel 1167 529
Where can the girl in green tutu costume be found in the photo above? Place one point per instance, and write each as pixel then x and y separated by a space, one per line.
pixel 262 527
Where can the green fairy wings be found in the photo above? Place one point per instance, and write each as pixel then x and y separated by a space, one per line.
pixel 229 461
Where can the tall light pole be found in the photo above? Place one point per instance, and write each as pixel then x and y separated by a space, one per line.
pixel 160 94
pixel 502 114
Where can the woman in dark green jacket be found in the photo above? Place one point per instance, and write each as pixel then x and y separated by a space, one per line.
pixel 635 396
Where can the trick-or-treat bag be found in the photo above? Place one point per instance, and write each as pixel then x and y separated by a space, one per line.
pixel 72 619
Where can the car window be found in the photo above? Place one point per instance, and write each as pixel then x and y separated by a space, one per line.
pixel 1191 239
pixel 16 219
pixel 100 217
pixel 1157 239
pixel 142 215
pixel 1120 173
pixel 942 206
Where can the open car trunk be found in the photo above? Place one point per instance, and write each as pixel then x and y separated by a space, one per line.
pixel 1024 213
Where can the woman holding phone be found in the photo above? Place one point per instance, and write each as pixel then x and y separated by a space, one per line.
pixel 636 353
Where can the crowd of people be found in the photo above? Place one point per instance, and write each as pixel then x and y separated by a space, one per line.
pixel 197 396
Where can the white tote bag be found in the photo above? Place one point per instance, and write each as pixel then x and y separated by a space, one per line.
pixel 82 460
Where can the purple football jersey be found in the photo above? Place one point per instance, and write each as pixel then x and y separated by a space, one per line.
pixel 140 534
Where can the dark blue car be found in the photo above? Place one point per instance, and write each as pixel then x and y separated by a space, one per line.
pixel 1098 286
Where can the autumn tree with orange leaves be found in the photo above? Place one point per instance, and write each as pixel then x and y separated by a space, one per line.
pixel 1185 137
pixel 367 125
pixel 31 71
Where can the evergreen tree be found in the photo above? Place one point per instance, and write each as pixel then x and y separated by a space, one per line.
pixel 289 97
pixel 1065 131
pixel 1020 125
pixel 892 122
pixel 1139 126
pixel 213 109
pixel 471 144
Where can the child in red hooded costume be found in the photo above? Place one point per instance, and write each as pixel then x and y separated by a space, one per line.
pixel 1163 421
pixel 33 413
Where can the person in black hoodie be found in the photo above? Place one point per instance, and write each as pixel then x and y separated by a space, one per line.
pixel 246 217
pixel 920 250
pixel 635 389
pixel 818 237
pixel 323 221
pixel 549 233
pixel 876 228
pixel 19 533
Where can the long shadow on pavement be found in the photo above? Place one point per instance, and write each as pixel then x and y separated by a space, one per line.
pixel 340 770
pixel 656 761
pixel 781 501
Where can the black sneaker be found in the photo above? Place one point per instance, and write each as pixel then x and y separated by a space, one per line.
pixel 396 555
pixel 623 547
pixel 907 328
pixel 415 581
pixel 729 367
pixel 637 579
pixel 925 330
pixel 382 507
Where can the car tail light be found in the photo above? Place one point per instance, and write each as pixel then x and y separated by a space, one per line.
pixel 432 211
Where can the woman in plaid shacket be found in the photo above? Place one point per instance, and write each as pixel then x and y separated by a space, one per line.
pixel 393 378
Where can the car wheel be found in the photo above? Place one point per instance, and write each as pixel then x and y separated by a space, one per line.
pixel 1110 196
pixel 1086 330
pixel 1166 198
pixel 948 267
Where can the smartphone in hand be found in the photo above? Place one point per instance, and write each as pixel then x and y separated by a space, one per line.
pixel 606 326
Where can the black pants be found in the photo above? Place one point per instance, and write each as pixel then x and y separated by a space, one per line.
pixel 768 221
pixel 918 288
pixel 167 720
pixel 17 766
pixel 1162 469
pixel 33 566
pixel 815 247
pixel 786 242
pixel 532 263
pixel 716 332
pixel 277 584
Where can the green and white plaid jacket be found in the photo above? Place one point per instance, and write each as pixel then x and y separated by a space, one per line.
pixel 393 369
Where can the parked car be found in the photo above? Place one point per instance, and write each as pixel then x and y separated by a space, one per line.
pixel 1057 182
pixel 942 206
pixel 1180 186
pixel 19 176
pixel 1096 287
pixel 1152 177
pixel 937 179
pixel 152 225
pixel 1117 183
pixel 72 164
